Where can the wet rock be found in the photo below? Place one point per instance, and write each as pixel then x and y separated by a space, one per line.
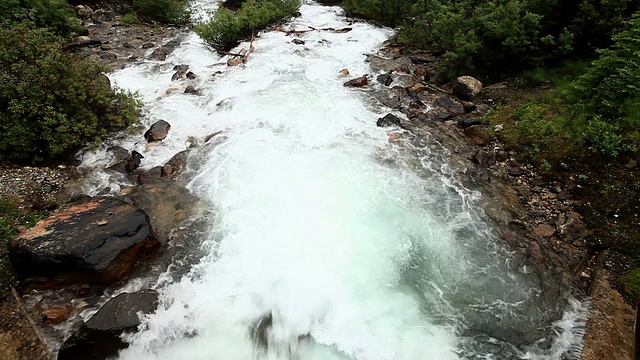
pixel 467 87
pixel 298 42
pixel 357 82
pixel 70 247
pixel 103 15
pixel 176 165
pixel 158 131
pixel 191 75
pixel 385 79
pixel 465 122
pixel 191 90
pixel 100 337
pixel 133 162
pixel 479 135
pixel 484 158
pixel 108 56
pixel 516 171
pixel 388 120
pixel 544 231
pixel 380 64
pixel 148 45
pixel 417 87
pixel 163 51
pixel 150 176
pixel 180 72
pixel 162 201
pixel 55 316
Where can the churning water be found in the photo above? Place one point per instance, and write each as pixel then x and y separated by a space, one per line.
pixel 327 242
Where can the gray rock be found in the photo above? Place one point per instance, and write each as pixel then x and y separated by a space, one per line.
pixel 99 337
pixel 158 131
pixel 389 120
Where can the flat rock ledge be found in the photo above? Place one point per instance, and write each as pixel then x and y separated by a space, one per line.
pixel 96 241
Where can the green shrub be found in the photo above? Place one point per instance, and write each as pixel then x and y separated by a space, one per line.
pixel 55 15
pixel 226 28
pixel 129 19
pixel 607 96
pixel 485 38
pixel 390 13
pixel 164 11
pixel 51 104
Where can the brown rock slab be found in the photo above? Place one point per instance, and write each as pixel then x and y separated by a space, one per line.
pixel 544 231
pixel 77 246
pixel 479 135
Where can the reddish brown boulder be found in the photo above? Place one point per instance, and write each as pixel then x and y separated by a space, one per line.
pixel 357 82
pixel 97 241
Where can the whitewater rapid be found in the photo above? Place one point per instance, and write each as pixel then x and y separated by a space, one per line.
pixel 326 241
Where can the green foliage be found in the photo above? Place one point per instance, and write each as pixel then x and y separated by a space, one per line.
pixel 484 37
pixel 607 96
pixel 129 19
pixel 51 104
pixel 164 11
pixel 11 217
pixel 55 15
pixel 631 284
pixel 390 13
pixel 226 28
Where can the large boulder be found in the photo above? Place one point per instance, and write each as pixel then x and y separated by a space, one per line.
pixel 99 338
pixel 158 131
pixel 167 204
pixel 96 241
pixel 467 87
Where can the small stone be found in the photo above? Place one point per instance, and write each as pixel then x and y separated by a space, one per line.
pixel 388 121
pixel 516 171
pixel 631 164
pixel 103 223
pixel 544 231
pixel 180 215
pixel 357 82
pixel 298 42
pixel 106 47
pixel 55 316
pixel 191 90
pixel 148 45
pixel 344 72
pixel 417 87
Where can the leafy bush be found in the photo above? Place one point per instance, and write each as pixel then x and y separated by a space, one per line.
pixel 390 13
pixel 607 96
pixel 55 15
pixel 129 19
pixel 485 37
pixel 164 11
pixel 226 28
pixel 51 104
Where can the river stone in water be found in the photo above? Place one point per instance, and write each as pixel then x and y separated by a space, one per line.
pixel 97 241
pixel 99 338
pixel 158 131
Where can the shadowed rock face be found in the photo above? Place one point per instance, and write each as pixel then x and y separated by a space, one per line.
pixel 97 241
pixel 99 338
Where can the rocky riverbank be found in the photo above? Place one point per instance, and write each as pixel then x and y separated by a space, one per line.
pixel 536 215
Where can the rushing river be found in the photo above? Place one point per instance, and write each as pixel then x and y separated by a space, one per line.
pixel 326 241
